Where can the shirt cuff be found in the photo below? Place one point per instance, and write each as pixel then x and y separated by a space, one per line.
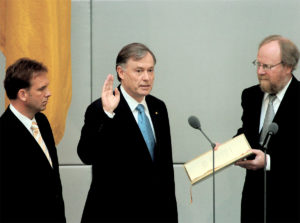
pixel 268 167
pixel 110 115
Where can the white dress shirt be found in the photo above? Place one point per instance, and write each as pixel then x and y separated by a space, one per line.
pixel 132 103
pixel 276 104
pixel 24 120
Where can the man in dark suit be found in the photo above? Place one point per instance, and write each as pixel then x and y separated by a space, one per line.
pixel 276 60
pixel 131 182
pixel 30 184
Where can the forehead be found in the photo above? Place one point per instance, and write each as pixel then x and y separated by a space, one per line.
pixel 39 78
pixel 146 61
pixel 269 52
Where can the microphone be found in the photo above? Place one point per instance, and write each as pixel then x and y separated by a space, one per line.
pixel 195 123
pixel 272 130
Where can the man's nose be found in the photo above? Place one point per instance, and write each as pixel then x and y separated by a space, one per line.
pixel 146 75
pixel 48 93
pixel 260 70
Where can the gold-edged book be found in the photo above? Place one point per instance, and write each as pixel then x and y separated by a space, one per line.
pixel 227 153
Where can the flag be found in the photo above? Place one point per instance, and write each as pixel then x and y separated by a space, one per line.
pixel 41 30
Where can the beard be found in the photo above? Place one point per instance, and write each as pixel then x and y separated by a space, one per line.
pixel 268 87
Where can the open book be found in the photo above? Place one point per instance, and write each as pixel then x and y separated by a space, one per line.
pixel 226 154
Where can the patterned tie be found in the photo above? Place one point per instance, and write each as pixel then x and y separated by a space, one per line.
pixel 39 139
pixel 268 118
pixel 146 129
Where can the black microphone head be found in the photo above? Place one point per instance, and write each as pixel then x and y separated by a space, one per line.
pixel 273 128
pixel 194 122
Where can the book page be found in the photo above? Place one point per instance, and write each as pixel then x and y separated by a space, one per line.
pixel 226 154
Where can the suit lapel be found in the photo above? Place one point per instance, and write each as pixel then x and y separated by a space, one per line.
pixel 126 119
pixel 45 135
pixel 19 127
pixel 288 101
pixel 25 136
pixel 124 114
pixel 154 114
pixel 255 108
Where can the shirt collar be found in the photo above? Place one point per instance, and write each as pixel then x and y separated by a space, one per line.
pixel 131 101
pixel 25 120
pixel 281 93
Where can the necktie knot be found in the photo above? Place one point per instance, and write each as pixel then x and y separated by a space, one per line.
pixel 34 127
pixel 272 98
pixel 140 108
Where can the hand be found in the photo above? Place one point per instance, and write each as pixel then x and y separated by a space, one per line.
pixel 217 146
pixel 257 163
pixel 109 100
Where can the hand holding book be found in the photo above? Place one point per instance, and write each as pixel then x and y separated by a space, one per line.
pixel 225 155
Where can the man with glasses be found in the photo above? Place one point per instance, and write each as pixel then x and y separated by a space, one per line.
pixel 277 99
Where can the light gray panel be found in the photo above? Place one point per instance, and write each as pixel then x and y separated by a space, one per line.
pixel 76 183
pixel 204 51
pixel 2 76
pixel 81 81
pixel 227 194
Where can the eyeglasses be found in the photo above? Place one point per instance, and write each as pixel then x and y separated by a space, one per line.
pixel 265 66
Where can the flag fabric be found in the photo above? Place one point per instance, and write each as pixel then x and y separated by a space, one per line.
pixel 41 30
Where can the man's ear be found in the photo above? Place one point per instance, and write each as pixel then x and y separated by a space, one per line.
pixel 22 94
pixel 289 69
pixel 120 72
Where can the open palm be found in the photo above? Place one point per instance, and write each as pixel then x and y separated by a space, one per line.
pixel 109 99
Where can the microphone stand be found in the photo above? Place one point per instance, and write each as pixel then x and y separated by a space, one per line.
pixel 265 147
pixel 273 128
pixel 213 145
pixel 265 185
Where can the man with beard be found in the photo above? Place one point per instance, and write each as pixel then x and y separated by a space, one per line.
pixel 275 99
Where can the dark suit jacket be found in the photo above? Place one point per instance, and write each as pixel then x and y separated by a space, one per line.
pixel 31 189
pixel 126 185
pixel 284 149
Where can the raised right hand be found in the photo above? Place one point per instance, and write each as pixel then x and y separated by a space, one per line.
pixel 109 100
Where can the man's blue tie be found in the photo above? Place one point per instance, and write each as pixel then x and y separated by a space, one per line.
pixel 146 129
